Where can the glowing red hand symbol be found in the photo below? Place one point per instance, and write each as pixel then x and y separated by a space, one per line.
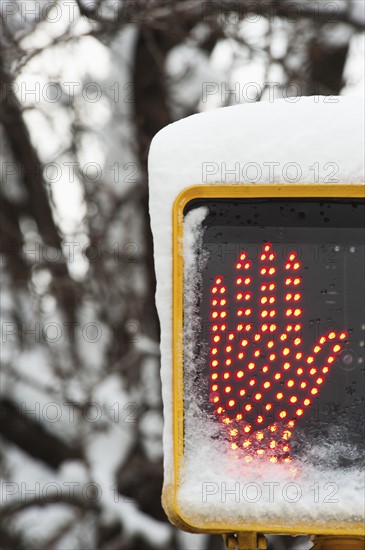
pixel 262 375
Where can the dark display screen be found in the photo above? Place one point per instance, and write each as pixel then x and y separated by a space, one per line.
pixel 283 325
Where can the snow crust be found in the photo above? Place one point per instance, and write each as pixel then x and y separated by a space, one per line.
pixel 304 140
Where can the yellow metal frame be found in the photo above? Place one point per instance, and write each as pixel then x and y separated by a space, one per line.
pixel 284 191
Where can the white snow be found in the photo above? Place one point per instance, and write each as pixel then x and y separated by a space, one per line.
pixel 300 140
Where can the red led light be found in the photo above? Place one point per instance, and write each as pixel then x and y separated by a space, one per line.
pixel 295 394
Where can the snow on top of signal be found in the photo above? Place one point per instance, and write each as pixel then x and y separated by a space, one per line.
pixel 299 140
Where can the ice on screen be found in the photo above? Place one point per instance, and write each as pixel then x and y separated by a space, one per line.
pixel 273 367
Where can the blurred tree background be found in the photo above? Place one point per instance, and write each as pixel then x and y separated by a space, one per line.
pixel 85 85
